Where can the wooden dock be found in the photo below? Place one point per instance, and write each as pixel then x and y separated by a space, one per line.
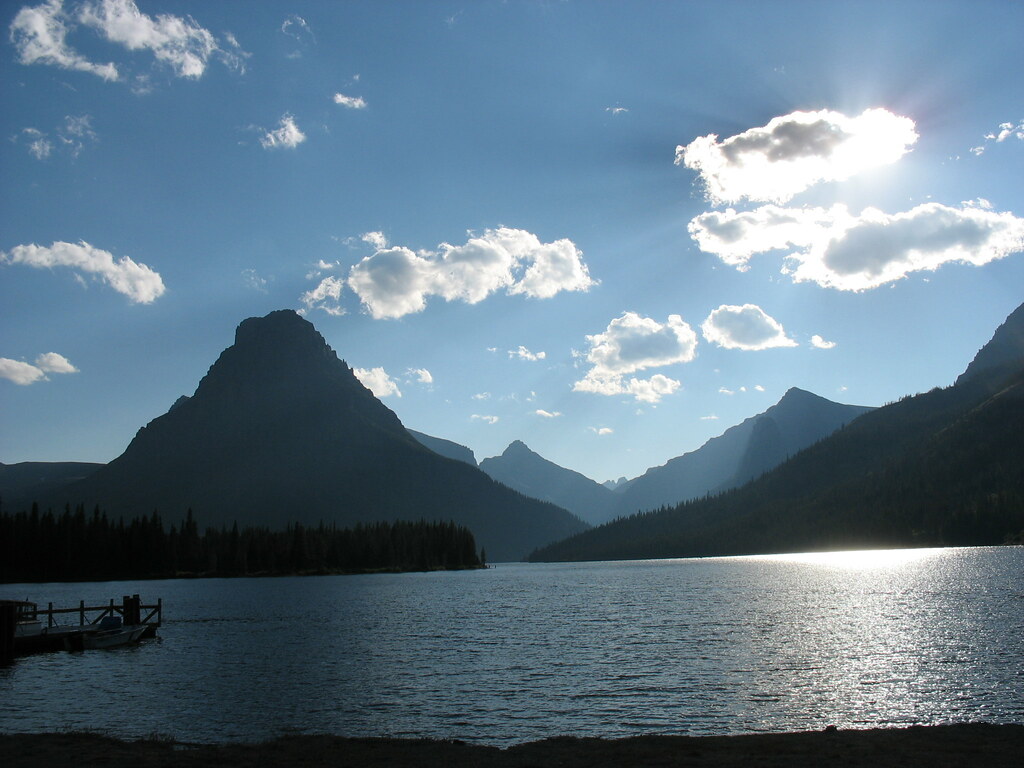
pixel 26 628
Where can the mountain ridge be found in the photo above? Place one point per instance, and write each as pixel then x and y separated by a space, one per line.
pixel 280 430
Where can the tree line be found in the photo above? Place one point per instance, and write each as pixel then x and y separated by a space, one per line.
pixel 75 545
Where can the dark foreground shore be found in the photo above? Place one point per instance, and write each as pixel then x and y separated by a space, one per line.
pixel 946 745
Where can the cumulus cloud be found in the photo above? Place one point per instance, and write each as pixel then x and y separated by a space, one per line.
pixel 286 135
pixel 377 381
pixel 744 327
pixel 350 102
pixel 40 36
pixel 377 239
pixel 136 281
pixel 616 110
pixel 819 343
pixel 524 354
pixel 52 362
pixel 709 417
pixel 879 248
pixel 23 374
pixel 420 375
pixel 792 152
pixel 601 431
pixel 837 249
pixel 547 414
pixel 736 236
pixel 630 344
pixel 396 281
pixel 484 418
pixel 326 296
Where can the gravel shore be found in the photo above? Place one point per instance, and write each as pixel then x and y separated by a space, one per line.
pixel 991 746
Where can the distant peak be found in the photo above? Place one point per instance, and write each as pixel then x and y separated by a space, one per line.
pixel 516 447
pixel 795 393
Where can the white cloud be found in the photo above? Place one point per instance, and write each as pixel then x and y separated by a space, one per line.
pixel 376 239
pixel 601 431
pixel 795 151
pixel 486 419
pixel 52 362
pixel 547 414
pixel 23 374
pixel 632 343
pixel 326 296
pixel 287 134
pixel 616 110
pixel 819 343
pixel 396 281
pixel 20 373
pixel 39 146
pixel 744 327
pixel 71 137
pixel 524 354
pixel 178 42
pixel 725 391
pixel 709 417
pixel 136 281
pixel 299 30
pixel 758 388
pixel 421 375
pixel 39 35
pixel 377 381
pixel 1002 133
pixel 836 249
pixel 878 248
pixel 350 102
pixel 482 396
pixel 736 236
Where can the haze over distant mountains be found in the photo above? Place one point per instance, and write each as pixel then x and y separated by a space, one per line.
pixel 740 454
pixel 280 430
pixel 944 467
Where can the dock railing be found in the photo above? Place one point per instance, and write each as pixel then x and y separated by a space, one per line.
pixel 131 610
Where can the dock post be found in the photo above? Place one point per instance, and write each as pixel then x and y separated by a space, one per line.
pixel 8 621
pixel 81 613
pixel 49 616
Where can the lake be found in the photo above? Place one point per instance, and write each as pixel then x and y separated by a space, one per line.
pixel 525 651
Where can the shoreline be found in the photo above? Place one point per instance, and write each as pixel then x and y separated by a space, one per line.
pixel 967 744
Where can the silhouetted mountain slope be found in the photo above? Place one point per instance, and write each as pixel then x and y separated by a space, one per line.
pixel 740 453
pixel 531 474
pixel 1005 351
pixel 941 468
pixel 280 430
pixel 23 483
pixel 445 448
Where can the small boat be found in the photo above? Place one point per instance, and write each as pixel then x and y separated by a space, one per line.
pixel 109 633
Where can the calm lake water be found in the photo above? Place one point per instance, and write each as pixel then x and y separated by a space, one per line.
pixel 521 652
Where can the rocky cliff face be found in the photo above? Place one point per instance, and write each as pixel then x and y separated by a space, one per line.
pixel 280 430
pixel 1005 352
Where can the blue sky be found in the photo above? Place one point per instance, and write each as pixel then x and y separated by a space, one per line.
pixel 611 230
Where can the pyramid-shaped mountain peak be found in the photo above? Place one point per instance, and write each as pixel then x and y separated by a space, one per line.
pixel 281 431
pixel 1003 354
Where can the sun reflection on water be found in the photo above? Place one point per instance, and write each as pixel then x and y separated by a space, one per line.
pixel 861 559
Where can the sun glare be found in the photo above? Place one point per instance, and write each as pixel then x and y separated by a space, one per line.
pixel 862 559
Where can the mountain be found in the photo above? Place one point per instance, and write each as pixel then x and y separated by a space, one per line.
pixel 942 468
pixel 739 454
pixel 1004 352
pixel 445 448
pixel 281 431
pixel 27 481
pixel 615 485
pixel 533 475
